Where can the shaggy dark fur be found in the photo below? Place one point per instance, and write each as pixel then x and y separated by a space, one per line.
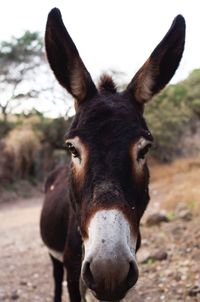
pixel 109 123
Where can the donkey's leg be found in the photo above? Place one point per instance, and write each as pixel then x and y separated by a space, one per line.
pixel 72 261
pixel 58 271
pixel 73 275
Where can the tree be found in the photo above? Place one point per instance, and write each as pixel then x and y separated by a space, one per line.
pixel 192 84
pixel 19 58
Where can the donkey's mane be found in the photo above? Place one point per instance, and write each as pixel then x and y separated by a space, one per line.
pixel 106 83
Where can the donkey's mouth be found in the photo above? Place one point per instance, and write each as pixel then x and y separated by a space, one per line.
pixel 113 297
pixel 116 294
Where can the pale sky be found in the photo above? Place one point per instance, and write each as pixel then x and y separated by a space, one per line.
pixel 110 34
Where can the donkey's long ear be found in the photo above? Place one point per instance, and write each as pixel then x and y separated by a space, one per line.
pixel 64 59
pixel 161 65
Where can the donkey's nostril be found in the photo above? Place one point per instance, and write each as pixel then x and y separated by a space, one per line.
pixel 87 276
pixel 108 279
pixel 133 274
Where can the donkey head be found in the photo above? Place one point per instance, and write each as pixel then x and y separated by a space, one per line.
pixel 108 140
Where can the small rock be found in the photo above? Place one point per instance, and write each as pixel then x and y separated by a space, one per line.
pixel 183 277
pixel 179 291
pixel 177 276
pixel 185 215
pixel 3 297
pixel 182 212
pixel 24 283
pixel 156 219
pixel 143 255
pixel 160 255
pixel 14 296
pixel 194 291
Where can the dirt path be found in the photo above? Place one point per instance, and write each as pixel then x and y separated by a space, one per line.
pixel 25 271
pixel 24 267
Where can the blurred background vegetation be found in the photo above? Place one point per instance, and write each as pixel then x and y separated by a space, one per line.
pixel 31 143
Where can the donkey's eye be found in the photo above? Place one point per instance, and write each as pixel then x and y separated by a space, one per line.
pixel 72 149
pixel 142 152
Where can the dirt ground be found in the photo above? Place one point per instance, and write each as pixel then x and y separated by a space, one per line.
pixel 169 260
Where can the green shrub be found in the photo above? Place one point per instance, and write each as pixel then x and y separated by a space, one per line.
pixel 173 115
pixel 167 119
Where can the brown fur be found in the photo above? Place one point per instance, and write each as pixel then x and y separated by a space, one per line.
pixel 108 125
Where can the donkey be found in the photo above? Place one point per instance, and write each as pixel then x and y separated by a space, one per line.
pixel 93 206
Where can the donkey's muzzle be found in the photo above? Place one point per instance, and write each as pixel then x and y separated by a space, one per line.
pixel 109 267
pixel 110 280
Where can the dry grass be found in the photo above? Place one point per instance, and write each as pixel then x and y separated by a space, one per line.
pixel 22 144
pixel 175 183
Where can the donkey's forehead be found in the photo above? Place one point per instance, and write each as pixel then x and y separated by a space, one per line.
pixel 108 114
